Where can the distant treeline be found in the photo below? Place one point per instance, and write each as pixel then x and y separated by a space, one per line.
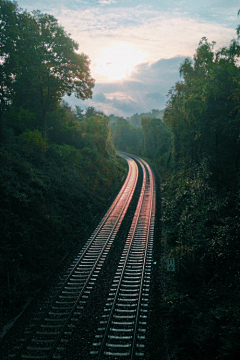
pixel 145 135
pixel 135 120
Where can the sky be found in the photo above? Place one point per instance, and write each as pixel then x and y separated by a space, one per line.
pixel 136 47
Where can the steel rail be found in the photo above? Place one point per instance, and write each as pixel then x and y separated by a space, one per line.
pixel 129 243
pixel 149 237
pixel 143 218
pixel 112 215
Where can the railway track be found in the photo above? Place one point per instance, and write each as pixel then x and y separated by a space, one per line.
pixel 121 332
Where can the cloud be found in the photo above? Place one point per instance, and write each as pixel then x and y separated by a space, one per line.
pixel 107 2
pixel 144 90
pixel 158 29
pixel 156 97
pixel 157 34
pixel 167 30
pixel 100 97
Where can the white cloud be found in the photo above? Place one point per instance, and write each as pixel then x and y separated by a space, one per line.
pixel 107 2
pixel 144 90
pixel 156 34
pixel 159 29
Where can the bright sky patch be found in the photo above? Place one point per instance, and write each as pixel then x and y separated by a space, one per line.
pixel 136 47
pixel 117 62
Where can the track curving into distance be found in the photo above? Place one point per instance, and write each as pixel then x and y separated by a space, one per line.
pixel 121 332
pixel 49 330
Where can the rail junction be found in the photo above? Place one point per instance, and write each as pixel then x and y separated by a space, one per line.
pixel 118 302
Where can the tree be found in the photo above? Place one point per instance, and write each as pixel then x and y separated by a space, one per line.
pixel 157 137
pixel 203 111
pixel 90 112
pixel 47 65
pixel 79 113
pixel 127 137
pixel 95 131
pixel 9 21
pixel 201 205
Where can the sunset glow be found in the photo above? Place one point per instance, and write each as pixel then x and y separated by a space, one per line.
pixel 117 62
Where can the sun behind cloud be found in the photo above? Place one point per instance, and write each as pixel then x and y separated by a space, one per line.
pixel 117 62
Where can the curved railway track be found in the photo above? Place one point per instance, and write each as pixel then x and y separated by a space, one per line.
pixel 121 332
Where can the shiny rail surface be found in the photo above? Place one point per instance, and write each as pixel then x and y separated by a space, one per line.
pixel 121 332
pixel 47 334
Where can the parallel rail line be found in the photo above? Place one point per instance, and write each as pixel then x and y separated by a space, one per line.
pixel 47 333
pixel 121 332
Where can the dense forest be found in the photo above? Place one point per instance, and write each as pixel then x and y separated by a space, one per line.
pixel 195 147
pixel 146 135
pixel 201 206
pixel 58 166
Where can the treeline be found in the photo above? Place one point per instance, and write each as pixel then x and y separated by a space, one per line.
pixel 196 149
pixel 58 166
pixel 135 120
pixel 145 135
pixel 201 207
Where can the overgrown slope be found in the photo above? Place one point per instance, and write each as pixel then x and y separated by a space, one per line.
pixel 57 165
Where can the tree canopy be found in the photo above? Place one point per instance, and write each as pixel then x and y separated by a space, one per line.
pixel 58 167
pixel 203 111
pixel 201 206
pixel 39 62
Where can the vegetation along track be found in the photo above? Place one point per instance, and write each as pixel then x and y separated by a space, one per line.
pixel 122 328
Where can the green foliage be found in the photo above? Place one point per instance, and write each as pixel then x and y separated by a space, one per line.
pixel 135 120
pixel 32 143
pixel 95 131
pixel 58 167
pixel 201 207
pixel 46 206
pixel 9 34
pixel 203 113
pixel 157 143
pixel 64 127
pixel 202 234
pixel 127 137
pixel 187 196
pixel 39 63
pixel 152 140
pixel 20 120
